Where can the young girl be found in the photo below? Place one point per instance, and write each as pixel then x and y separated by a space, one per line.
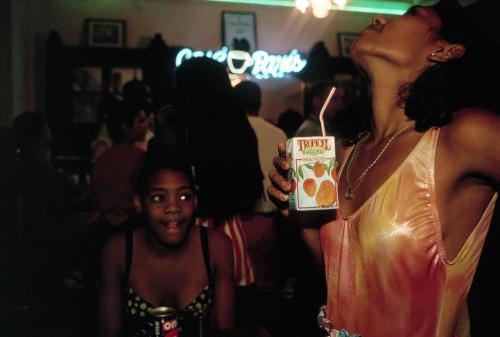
pixel 167 261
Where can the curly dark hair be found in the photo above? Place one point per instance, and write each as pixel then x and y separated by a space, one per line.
pixel 154 162
pixel 219 138
pixel 442 89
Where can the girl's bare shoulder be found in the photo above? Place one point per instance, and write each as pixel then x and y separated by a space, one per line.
pixel 218 238
pixel 220 244
pixel 113 251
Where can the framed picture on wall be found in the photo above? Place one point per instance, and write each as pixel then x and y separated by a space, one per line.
pixel 238 31
pixel 105 32
pixel 345 41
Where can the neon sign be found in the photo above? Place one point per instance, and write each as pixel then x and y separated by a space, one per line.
pixel 259 64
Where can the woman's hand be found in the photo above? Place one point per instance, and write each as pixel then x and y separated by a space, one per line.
pixel 278 193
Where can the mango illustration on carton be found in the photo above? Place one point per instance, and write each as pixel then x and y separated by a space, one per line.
pixel 312 173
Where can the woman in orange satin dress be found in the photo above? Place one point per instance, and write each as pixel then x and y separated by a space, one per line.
pixel 418 183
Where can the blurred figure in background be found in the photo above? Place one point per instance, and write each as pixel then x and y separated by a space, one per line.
pixel 114 172
pixel 42 205
pixel 259 224
pixel 317 97
pixel 138 93
pixel 107 107
pixel 135 93
pixel 289 121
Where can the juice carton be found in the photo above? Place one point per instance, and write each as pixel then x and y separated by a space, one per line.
pixel 312 173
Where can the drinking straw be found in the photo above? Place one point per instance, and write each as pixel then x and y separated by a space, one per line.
pixel 323 132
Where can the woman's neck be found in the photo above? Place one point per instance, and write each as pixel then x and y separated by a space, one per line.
pixel 387 108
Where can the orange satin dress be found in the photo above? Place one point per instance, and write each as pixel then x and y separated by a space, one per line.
pixel 386 267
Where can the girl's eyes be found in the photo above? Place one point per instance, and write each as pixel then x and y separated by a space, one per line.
pixel 187 196
pixel 157 198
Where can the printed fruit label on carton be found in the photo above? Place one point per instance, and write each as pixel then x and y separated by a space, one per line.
pixel 312 173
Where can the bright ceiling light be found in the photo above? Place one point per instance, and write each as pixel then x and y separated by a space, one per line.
pixel 340 3
pixel 302 5
pixel 321 8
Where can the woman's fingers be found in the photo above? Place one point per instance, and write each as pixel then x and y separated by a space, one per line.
pixel 282 150
pixel 279 177
pixel 278 192
pixel 279 198
pixel 280 182
pixel 281 162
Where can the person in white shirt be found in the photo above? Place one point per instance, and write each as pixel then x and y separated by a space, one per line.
pixel 259 224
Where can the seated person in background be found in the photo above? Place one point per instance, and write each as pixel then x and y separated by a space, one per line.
pixel 166 260
pixel 108 105
pixel 45 203
pixel 113 174
pixel 318 95
pixel 135 93
pixel 138 93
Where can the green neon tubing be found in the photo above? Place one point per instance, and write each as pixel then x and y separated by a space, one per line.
pixel 360 6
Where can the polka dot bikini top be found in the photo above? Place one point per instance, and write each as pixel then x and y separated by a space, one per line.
pixel 135 308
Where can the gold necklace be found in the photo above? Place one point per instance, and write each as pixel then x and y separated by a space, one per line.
pixel 350 192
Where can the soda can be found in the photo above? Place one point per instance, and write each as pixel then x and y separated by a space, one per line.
pixel 162 322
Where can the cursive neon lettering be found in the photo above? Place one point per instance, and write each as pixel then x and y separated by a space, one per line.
pixel 260 64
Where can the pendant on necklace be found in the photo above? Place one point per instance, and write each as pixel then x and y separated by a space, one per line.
pixel 349 193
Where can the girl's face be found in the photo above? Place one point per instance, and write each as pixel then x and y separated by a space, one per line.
pixel 406 41
pixel 169 203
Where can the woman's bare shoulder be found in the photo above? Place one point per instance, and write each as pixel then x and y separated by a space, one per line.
pixel 472 127
pixel 470 139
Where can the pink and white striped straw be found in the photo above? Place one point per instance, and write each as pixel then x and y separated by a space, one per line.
pixel 330 95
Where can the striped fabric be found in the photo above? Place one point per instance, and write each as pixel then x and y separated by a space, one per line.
pixel 244 270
